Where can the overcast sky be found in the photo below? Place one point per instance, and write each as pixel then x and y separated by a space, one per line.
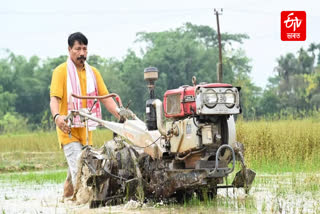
pixel 38 27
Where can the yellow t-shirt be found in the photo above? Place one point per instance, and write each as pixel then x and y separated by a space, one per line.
pixel 58 88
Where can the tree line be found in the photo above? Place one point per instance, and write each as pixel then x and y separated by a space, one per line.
pixel 179 54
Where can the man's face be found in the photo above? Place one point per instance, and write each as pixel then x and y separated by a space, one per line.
pixel 78 53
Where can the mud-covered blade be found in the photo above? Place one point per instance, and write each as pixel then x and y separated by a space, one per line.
pixel 244 178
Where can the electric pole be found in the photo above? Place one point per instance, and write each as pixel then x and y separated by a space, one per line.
pixel 219 64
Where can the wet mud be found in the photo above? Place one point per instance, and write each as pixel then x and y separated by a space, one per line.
pixel 282 193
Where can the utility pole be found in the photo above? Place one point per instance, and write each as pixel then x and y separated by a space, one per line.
pixel 219 64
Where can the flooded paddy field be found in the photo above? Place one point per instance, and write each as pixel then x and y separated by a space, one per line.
pixel 271 193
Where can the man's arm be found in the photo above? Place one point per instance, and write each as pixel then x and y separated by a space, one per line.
pixel 111 106
pixel 109 103
pixel 54 106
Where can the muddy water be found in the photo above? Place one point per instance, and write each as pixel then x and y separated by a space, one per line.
pixel 283 193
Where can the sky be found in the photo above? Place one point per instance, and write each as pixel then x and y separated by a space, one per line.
pixel 39 27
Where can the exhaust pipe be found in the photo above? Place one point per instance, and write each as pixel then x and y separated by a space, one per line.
pixel 158 105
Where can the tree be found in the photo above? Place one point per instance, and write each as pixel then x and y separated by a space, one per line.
pixel 287 65
pixel 312 48
pixel 296 87
pixel 192 50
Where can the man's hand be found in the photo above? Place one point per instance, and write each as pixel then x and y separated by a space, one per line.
pixel 61 123
pixel 125 113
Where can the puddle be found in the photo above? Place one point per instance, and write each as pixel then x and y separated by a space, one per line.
pixel 30 198
pixel 283 193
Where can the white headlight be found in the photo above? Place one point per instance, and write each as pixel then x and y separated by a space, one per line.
pixel 230 98
pixel 210 98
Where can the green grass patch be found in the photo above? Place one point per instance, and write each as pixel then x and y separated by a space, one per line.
pixel 26 161
pixel 276 167
pixel 43 141
pixel 37 150
pixel 35 177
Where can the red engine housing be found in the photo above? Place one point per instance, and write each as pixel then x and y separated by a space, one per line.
pixel 180 102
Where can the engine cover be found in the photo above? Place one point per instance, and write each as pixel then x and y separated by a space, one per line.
pixel 181 102
pixel 185 135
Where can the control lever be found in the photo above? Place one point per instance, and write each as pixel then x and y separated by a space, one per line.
pixel 130 101
pixel 95 101
pixel 69 117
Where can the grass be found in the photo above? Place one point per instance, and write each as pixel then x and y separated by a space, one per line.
pixel 37 151
pixel 286 145
pixel 214 205
pixel 271 147
pixel 26 161
pixel 43 141
pixel 35 177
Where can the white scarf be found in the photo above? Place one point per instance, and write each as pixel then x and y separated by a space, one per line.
pixel 73 87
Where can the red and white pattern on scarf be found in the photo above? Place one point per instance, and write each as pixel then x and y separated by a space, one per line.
pixel 73 87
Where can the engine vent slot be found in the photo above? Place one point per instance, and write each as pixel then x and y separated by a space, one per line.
pixel 173 104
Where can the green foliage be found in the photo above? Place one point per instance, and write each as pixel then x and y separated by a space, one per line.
pixel 7 101
pixel 24 90
pixel 192 50
pixel 295 89
pixel 12 122
pixel 269 103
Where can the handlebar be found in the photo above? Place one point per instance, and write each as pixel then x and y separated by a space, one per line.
pixel 117 97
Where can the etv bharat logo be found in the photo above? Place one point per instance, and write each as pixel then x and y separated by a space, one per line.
pixel 293 25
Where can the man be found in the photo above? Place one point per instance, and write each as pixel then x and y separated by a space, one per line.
pixel 76 76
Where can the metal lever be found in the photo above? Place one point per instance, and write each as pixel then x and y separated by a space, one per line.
pixel 70 117
pixel 95 101
pixel 226 170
